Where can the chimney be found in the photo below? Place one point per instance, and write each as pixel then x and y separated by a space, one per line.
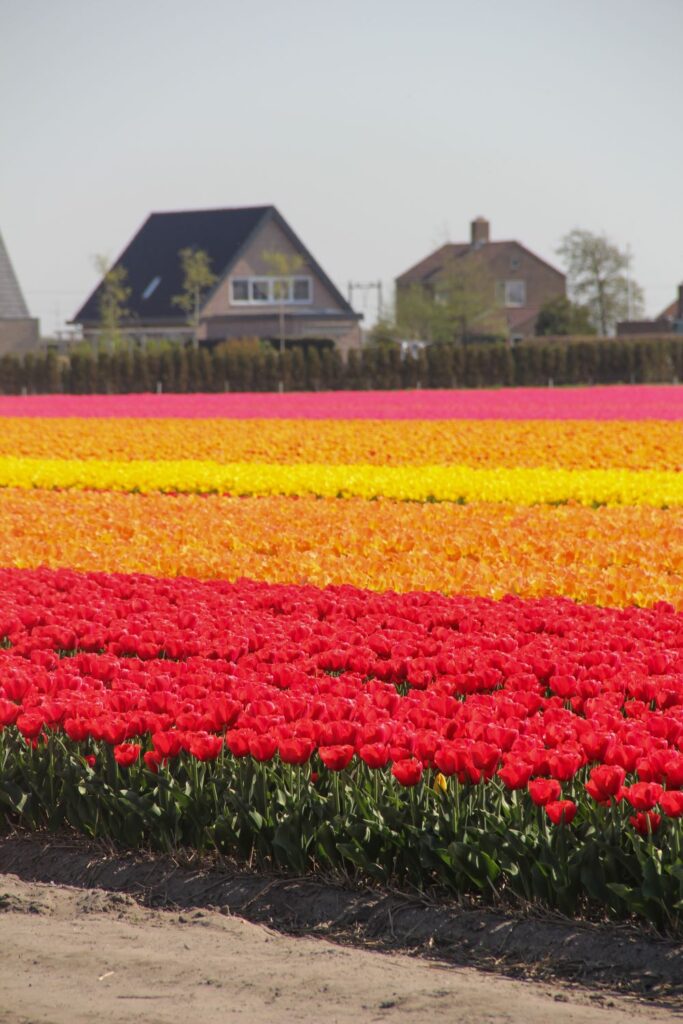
pixel 680 302
pixel 479 232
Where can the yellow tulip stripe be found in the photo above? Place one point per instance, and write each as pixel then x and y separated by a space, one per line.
pixel 608 556
pixel 485 444
pixel 461 484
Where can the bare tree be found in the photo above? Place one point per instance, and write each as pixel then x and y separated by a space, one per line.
pixel 197 279
pixel 114 293
pixel 282 266
pixel 599 278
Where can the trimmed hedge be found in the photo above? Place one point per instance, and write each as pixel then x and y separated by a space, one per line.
pixel 537 362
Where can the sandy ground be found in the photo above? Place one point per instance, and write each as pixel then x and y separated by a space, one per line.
pixel 76 956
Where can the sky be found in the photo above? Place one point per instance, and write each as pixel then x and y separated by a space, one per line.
pixel 379 128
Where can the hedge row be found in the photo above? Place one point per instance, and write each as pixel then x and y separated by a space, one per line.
pixel 179 369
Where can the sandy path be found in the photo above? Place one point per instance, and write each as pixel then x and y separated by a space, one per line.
pixel 76 956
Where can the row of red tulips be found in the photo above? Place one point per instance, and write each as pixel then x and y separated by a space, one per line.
pixel 413 737
pixel 532 692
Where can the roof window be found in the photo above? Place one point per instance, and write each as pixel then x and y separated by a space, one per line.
pixel 151 287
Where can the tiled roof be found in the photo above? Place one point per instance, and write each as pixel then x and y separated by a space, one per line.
pixel 432 264
pixel 12 305
pixel 670 313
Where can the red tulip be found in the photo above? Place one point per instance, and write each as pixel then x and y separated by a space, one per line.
pixel 167 744
pixel 375 755
pixel 542 791
pixel 8 712
pixel 646 822
pixel 126 753
pixel 605 782
pixel 671 802
pixel 515 774
pixel 408 773
pixel 296 750
pixel 30 724
pixel 561 811
pixel 263 748
pixel 673 771
pixel 152 760
pixel 450 760
pixel 237 741
pixel 485 756
pixel 336 758
pixel 564 765
pixel 205 747
pixel 643 796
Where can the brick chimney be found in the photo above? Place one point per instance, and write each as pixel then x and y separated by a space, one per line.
pixel 479 229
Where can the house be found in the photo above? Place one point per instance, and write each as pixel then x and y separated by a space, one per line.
pixel 248 299
pixel 669 321
pixel 18 331
pixel 519 281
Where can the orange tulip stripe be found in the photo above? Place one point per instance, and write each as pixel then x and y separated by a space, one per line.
pixel 607 556
pixel 486 444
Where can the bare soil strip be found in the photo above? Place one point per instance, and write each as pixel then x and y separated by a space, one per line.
pixel 172 937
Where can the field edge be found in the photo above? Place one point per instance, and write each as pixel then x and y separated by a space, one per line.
pixel 528 944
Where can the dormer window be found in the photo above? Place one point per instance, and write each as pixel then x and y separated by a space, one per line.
pixel 151 287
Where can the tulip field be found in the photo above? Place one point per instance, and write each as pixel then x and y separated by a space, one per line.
pixel 432 640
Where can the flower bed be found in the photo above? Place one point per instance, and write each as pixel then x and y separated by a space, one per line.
pixel 613 402
pixel 429 739
pixel 400 723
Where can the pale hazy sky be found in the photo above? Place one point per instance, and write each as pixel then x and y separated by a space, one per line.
pixel 379 129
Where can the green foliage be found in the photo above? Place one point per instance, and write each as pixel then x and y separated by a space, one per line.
pixel 246 367
pixel 197 279
pixel 560 317
pixel 114 293
pixel 599 278
pixel 460 839
pixel 459 302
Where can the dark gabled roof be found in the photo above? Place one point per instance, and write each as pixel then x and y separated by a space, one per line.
pixel 153 253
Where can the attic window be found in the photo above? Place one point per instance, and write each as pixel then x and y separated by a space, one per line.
pixel 302 289
pixel 151 287
pixel 271 291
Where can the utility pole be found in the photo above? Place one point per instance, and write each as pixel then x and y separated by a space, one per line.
pixel 365 287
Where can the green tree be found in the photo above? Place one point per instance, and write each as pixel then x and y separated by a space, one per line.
pixel 197 279
pixel 460 301
pixel 560 316
pixel 599 278
pixel 282 266
pixel 114 293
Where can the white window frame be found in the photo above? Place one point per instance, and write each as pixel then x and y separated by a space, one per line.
pixel 273 299
pixel 257 282
pixel 233 300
